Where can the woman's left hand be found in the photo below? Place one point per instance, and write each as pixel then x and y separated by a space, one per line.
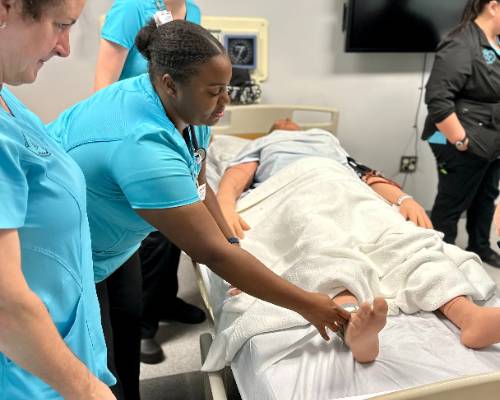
pixel 415 213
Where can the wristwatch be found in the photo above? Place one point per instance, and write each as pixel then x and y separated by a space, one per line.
pixel 460 144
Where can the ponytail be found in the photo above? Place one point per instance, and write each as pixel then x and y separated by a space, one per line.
pixel 176 48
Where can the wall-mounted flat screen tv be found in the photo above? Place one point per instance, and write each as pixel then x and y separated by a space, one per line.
pixel 399 25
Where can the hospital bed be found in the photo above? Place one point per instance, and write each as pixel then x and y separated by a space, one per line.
pixel 420 355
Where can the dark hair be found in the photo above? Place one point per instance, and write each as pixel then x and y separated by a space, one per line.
pixel 472 10
pixel 176 48
pixel 35 8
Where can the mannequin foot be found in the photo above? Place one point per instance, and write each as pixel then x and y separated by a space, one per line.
pixel 362 331
pixel 481 328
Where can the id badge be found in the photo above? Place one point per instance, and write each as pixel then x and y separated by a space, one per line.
pixel 202 191
pixel 162 17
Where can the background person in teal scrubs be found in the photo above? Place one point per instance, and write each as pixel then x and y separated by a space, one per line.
pixel 120 59
pixel 51 340
pixel 139 145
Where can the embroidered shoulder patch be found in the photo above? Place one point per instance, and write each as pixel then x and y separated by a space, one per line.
pixel 489 56
pixel 35 148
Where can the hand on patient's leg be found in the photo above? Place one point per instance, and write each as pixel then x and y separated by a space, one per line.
pixel 480 326
pixel 361 334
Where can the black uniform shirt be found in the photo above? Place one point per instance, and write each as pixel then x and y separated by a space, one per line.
pixel 465 79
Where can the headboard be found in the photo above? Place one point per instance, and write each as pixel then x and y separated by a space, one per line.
pixel 252 121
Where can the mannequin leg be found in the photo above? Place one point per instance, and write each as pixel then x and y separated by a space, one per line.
pixel 480 326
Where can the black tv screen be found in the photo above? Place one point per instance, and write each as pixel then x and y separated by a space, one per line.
pixel 400 25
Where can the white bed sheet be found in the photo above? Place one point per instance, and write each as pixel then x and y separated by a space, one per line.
pixel 414 349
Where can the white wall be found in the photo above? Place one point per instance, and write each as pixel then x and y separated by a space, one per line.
pixel 63 82
pixel 376 94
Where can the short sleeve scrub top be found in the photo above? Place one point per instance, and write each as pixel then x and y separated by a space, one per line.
pixel 133 157
pixel 43 196
pixel 126 18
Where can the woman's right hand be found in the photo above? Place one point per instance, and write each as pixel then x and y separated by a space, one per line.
pixel 102 392
pixel 496 219
pixel 94 389
pixel 324 312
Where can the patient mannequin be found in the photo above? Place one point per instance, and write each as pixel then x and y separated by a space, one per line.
pixel 480 326
pixel 240 177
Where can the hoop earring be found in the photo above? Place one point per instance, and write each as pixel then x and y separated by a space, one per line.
pixel 3 25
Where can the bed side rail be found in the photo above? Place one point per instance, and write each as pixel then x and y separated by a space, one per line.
pixel 483 387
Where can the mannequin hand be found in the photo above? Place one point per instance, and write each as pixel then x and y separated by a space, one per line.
pixel 234 291
pixel 235 222
pixel 415 213
pixel 324 312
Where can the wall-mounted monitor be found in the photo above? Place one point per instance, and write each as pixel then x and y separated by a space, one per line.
pixel 399 25
pixel 242 50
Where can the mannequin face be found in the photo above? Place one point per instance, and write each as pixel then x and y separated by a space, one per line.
pixel 285 125
pixel 26 44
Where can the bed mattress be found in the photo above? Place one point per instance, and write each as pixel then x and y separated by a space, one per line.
pixel 415 350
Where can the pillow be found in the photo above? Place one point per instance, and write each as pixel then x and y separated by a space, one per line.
pixel 222 150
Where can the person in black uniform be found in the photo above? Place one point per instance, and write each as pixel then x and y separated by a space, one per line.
pixel 159 265
pixel 463 126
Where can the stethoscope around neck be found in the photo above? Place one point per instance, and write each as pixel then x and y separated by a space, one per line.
pixel 189 136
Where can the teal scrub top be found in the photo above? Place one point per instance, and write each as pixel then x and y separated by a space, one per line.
pixel 42 195
pixel 124 21
pixel 132 157
pixel 437 138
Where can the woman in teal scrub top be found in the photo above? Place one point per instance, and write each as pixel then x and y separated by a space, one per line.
pixel 119 57
pixel 51 340
pixel 141 144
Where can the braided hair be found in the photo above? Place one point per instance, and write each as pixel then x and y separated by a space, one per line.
pixel 35 8
pixel 472 10
pixel 176 48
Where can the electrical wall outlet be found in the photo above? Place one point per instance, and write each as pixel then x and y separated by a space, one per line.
pixel 408 164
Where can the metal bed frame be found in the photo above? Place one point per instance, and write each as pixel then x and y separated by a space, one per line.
pixel 254 121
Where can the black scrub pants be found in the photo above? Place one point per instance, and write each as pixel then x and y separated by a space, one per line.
pixel 159 264
pixel 466 183
pixel 120 298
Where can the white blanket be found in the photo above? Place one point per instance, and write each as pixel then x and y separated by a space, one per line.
pixel 317 225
